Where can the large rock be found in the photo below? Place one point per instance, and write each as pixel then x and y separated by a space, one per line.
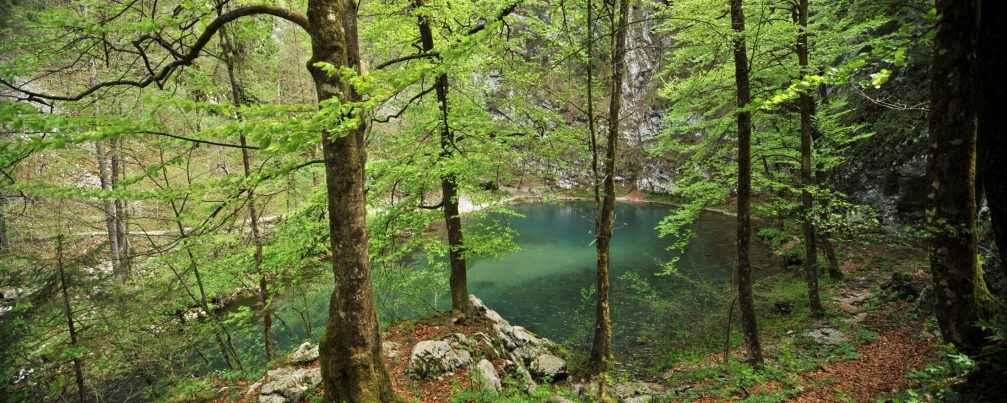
pixel 488 378
pixel 431 358
pixel 289 384
pixel 548 366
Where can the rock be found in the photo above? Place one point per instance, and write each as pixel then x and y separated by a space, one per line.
pixel 637 392
pixel 548 366
pixel 304 354
pixel 251 389
pixel 289 384
pixel 518 371
pixel 390 348
pixel 827 336
pixel 457 340
pixel 488 378
pixel 430 358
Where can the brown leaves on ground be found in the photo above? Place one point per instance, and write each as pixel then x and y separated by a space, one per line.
pixel 880 370
pixel 406 335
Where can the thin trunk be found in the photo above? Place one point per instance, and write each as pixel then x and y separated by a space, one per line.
pixel 109 207
pixel 449 186
pixel 122 214
pixel 992 123
pixel 230 51
pixel 68 311
pixel 962 298
pixel 825 237
pixel 807 180
pixel 601 349
pixel 749 325
pixel 353 368
pixel 590 114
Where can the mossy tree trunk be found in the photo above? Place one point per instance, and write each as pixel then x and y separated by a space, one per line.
pixel 962 297
pixel 350 349
pixel 601 349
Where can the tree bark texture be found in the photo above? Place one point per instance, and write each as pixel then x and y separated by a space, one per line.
pixel 961 295
pixel 747 306
pixel 350 349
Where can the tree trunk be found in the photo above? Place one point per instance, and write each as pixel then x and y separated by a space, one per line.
pixel 807 180
pixel 109 207
pixel 601 349
pixel 830 256
pixel 590 114
pixel 962 297
pixel 350 349
pixel 449 186
pixel 747 306
pixel 122 215
pixel 992 124
pixel 230 53
pixel 68 311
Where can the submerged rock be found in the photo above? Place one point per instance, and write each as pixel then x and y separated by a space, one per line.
pixel 431 358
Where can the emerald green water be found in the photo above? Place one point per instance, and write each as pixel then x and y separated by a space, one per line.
pixel 545 286
pixel 542 286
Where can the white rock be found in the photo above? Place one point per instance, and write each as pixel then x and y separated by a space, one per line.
pixel 488 377
pixel 305 353
pixel 430 358
pixel 548 365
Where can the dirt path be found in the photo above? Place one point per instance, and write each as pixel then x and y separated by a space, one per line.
pixel 880 370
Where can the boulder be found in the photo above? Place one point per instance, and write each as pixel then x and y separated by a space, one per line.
pixel 827 336
pixel 431 358
pixel 488 377
pixel 304 354
pixel 548 366
pixel 289 384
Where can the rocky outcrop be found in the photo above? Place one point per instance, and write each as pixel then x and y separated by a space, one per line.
pixel 288 384
pixel 431 358
pixel 494 352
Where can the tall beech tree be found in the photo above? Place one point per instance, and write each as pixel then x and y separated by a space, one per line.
pixel 746 304
pixel 961 295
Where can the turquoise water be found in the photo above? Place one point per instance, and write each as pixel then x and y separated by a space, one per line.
pixel 542 286
pixel 545 286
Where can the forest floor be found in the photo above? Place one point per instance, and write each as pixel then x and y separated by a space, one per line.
pixel 870 343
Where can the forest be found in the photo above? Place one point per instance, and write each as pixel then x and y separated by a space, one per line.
pixel 502 200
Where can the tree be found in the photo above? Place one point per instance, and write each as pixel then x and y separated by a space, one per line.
pixel 744 115
pixel 601 348
pixel 807 106
pixel 961 295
